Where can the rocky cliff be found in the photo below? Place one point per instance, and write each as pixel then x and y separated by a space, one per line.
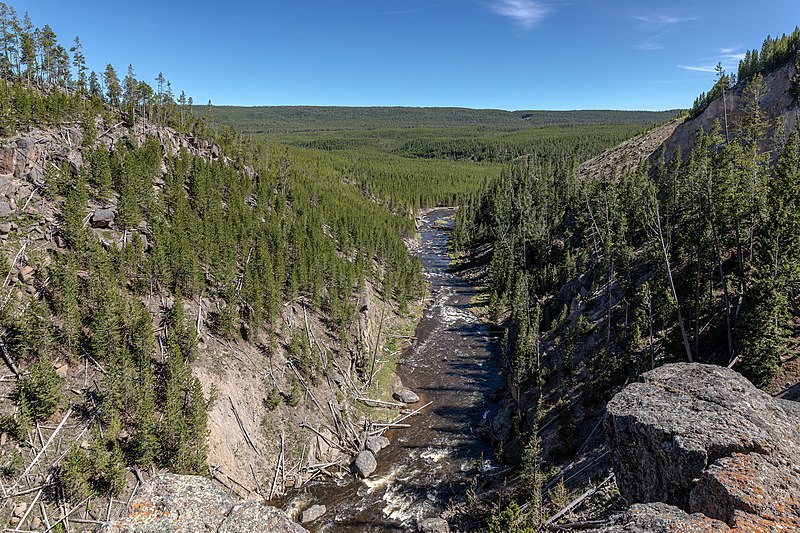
pixel 699 448
pixel 776 102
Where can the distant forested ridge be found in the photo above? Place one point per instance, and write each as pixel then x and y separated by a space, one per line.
pixel 281 119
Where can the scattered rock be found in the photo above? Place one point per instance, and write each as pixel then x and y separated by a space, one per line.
pixel 14 521
pixel 36 522
pixel 35 176
pixel 102 218
pixel 434 525
pixel 75 160
pixel 215 151
pixel 74 136
pixel 170 502
pixel 338 379
pixel 405 396
pixel 5 228
pixel 3 438
pixel 19 509
pixel 5 208
pixel 365 464
pixel 312 513
pixel 26 274
pixel 376 443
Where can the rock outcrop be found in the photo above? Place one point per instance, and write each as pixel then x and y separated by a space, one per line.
pixel 702 439
pixel 192 503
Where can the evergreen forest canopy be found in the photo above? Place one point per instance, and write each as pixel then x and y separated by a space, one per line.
pixel 283 119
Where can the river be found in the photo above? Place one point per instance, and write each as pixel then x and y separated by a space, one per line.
pixel 452 363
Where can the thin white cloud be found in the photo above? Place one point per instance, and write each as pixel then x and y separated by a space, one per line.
pixel 728 57
pixel 732 57
pixel 698 68
pixel 654 42
pixel 662 19
pixel 659 25
pixel 526 13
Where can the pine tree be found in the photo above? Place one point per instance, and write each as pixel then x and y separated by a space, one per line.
pixel 113 88
pixel 79 62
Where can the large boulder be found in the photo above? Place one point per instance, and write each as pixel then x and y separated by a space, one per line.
pixel 171 502
pixel 102 218
pixel 376 443
pixel 702 438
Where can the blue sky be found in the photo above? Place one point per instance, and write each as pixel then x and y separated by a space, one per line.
pixel 505 54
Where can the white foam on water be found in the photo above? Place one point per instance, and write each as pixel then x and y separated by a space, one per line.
pixel 435 455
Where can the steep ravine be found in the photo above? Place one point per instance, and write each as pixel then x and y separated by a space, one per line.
pixel 453 364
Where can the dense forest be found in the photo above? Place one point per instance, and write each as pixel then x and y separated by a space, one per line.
pixel 283 119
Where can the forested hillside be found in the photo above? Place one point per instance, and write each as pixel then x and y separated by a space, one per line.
pixel 601 278
pixel 141 248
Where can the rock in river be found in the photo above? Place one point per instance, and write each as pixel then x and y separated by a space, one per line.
pixel 365 464
pixel 377 443
pixel 406 396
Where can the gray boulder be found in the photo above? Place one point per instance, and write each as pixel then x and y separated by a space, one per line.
pixel 5 185
pixel 376 443
pixel 5 208
pixel 365 464
pixel 171 502
pixel 666 431
pixel 405 396
pixel 102 218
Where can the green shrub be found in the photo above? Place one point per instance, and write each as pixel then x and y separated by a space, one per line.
pixel 39 391
pixel 74 474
